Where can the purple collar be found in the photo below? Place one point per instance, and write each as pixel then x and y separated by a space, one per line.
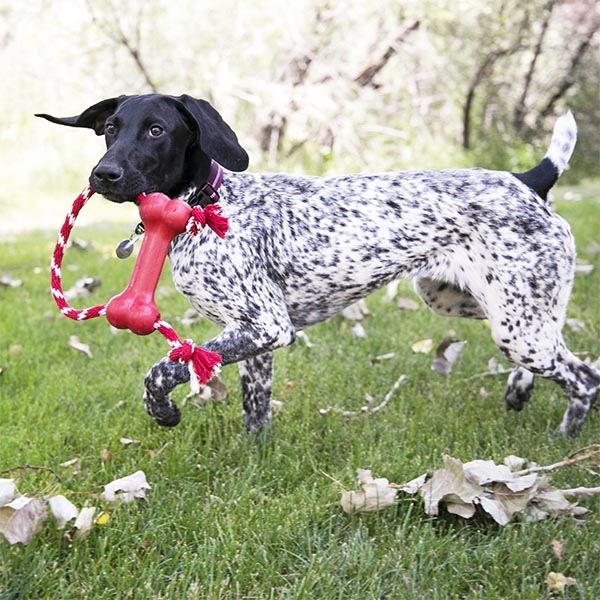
pixel 213 182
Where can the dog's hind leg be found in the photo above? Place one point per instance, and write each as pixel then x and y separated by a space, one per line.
pixel 536 346
pixel 581 384
pixel 256 374
pixel 451 301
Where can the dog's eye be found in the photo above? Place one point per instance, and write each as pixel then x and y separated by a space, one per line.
pixel 110 129
pixel 156 130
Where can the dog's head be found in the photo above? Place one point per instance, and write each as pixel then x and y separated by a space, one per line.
pixel 156 143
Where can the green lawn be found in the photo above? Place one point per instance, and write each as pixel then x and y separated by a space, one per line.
pixel 231 516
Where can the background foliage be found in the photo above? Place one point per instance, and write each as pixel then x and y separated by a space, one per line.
pixel 311 86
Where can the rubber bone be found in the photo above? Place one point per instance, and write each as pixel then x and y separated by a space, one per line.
pixel 134 308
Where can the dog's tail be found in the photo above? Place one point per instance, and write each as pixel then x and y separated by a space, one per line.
pixel 543 176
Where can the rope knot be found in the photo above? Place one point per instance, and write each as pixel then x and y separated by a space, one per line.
pixel 183 352
pixel 211 216
pixel 201 363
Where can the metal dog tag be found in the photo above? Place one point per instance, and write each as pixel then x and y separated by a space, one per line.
pixel 125 247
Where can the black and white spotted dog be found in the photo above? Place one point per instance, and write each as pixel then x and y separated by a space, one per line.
pixel 479 243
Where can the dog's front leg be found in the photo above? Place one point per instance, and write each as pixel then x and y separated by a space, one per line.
pixel 256 375
pixel 251 343
pixel 163 378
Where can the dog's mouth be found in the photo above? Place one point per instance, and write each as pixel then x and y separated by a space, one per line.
pixel 119 198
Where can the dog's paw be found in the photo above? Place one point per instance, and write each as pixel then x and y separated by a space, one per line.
pixel 518 390
pixel 163 410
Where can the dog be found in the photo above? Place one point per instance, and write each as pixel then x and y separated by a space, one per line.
pixel 478 243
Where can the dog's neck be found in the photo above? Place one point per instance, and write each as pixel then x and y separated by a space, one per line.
pixel 208 192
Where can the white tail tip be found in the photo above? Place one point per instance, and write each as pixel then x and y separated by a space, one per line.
pixel 563 141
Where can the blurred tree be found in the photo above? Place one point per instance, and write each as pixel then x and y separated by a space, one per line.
pixel 107 17
pixel 322 87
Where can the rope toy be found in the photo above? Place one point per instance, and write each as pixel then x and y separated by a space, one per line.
pixel 134 308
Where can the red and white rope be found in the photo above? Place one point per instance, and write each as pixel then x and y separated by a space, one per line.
pixel 202 363
pixel 56 264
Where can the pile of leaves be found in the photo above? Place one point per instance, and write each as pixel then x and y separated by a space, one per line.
pixel 500 491
pixel 23 516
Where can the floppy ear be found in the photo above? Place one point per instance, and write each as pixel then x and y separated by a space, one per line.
pixel 92 117
pixel 215 137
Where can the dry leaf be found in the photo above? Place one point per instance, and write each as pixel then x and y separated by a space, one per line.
pixel 514 463
pixel 83 288
pixel 375 494
pixel 583 268
pixel 7 281
pixel 356 311
pixel 422 346
pixel 384 357
pixel 77 345
pixel 407 304
pixel 80 244
pixel 8 489
pixel 499 491
pixel 557 582
pixel 358 330
pixel 413 486
pixel 106 455
pixel 495 368
pixel 557 548
pixel 575 325
pixel 447 354
pixel 129 442
pixel 62 510
pixel 301 336
pixel 190 317
pixel 451 486
pixel 126 489
pixel 218 388
pixel 84 522
pixel 21 519
pixel 103 518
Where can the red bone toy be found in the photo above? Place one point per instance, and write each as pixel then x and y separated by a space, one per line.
pixel 134 308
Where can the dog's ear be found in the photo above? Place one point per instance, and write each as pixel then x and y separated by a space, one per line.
pixel 93 117
pixel 215 137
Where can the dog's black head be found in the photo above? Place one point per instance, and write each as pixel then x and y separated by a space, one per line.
pixel 156 143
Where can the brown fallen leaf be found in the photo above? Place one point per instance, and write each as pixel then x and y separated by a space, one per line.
pixel 557 548
pixel 447 354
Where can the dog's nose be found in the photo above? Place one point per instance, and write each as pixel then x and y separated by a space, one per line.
pixel 107 174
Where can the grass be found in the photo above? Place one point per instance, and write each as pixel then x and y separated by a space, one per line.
pixel 231 516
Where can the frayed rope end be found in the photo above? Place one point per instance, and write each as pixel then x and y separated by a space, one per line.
pixel 203 364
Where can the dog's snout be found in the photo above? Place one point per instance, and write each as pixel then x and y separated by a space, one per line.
pixel 106 174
